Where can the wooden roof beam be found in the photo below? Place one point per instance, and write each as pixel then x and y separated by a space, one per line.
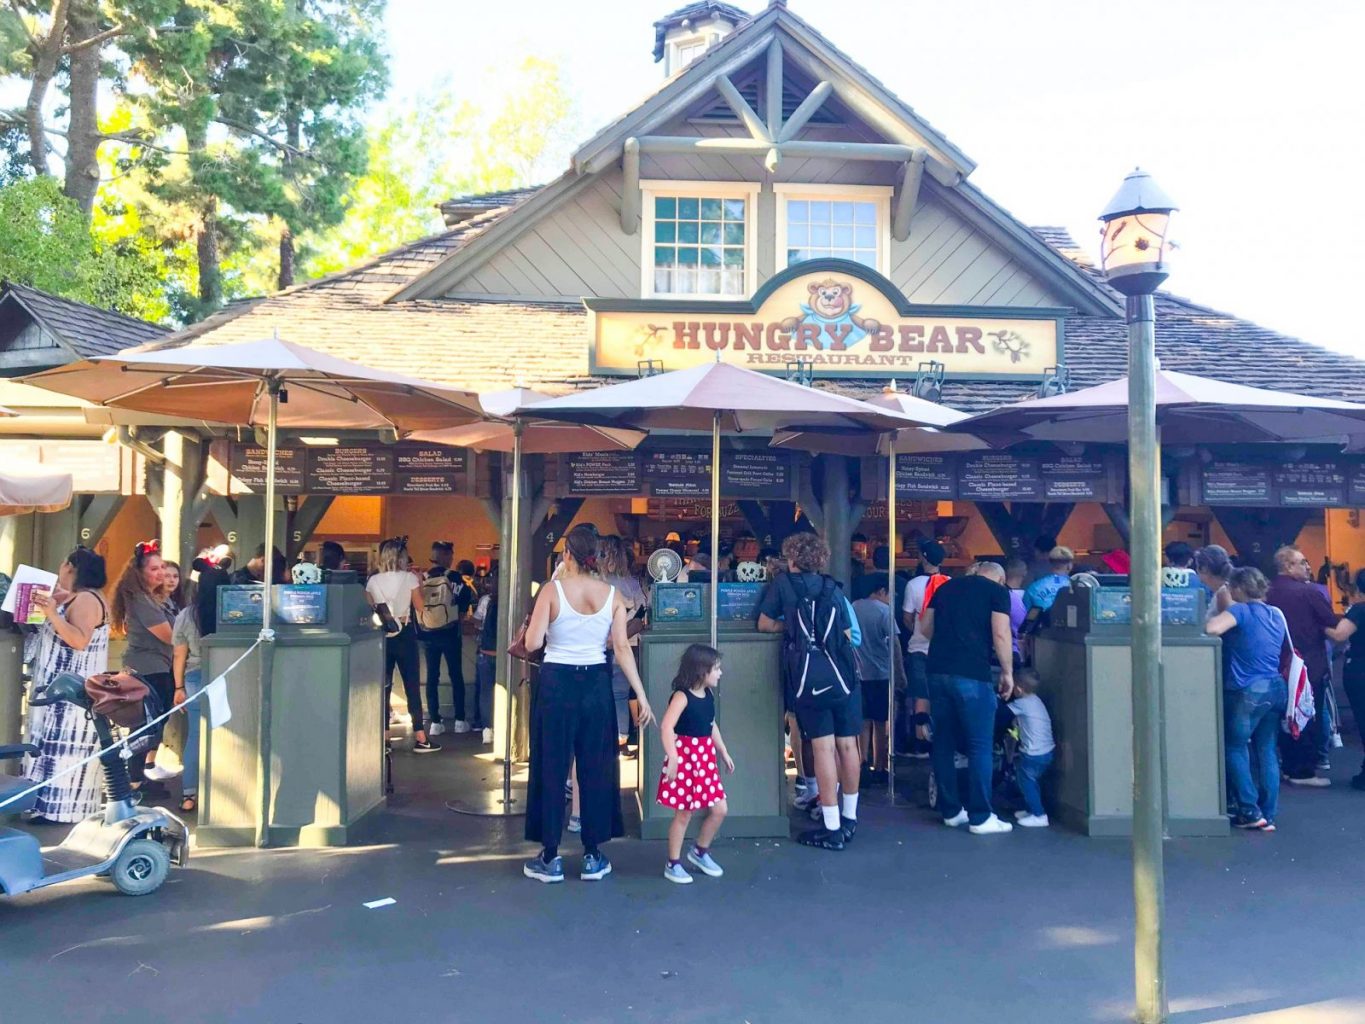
pixel 805 111
pixel 630 187
pixel 758 147
pixel 907 195
pixel 757 129
pixel 773 94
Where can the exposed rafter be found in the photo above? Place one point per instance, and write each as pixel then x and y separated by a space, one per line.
pixel 772 140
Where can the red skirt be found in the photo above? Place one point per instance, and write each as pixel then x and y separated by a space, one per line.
pixel 697 784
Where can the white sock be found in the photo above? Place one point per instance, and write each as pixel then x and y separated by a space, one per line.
pixel 831 816
pixel 849 807
pixel 812 785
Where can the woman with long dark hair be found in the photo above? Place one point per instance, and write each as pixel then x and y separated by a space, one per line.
pixel 75 638
pixel 573 717
pixel 394 590
pixel 139 610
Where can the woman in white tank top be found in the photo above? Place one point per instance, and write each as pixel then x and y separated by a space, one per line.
pixel 573 713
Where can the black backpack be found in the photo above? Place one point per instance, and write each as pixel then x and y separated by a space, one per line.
pixel 821 667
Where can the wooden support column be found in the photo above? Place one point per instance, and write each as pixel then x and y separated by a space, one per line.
pixel 1257 533
pixel 630 187
pixel 550 529
pixel 907 195
pixel 181 479
pixel 1005 527
pixel 746 114
pixel 304 521
pixel 1118 516
pixel 841 513
pixel 1053 518
pixel 773 96
pixel 97 512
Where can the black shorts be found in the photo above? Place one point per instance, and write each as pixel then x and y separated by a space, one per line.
pixel 842 719
pixel 875 699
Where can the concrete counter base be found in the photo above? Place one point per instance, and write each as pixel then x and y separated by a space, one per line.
pixel 1087 686
pixel 749 713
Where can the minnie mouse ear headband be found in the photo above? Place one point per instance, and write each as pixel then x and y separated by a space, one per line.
pixel 144 548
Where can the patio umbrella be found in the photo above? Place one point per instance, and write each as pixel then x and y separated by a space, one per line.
pixel 530 437
pixel 36 491
pixel 1189 410
pixel 271 382
pixel 906 440
pixel 719 397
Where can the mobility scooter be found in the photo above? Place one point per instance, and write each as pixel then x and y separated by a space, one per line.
pixel 133 847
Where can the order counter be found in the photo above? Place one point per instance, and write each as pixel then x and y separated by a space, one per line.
pixel 1084 662
pixel 326 727
pixel 748 706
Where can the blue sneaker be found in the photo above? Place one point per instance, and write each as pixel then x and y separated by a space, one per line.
pixel 595 867
pixel 704 862
pixel 677 873
pixel 542 871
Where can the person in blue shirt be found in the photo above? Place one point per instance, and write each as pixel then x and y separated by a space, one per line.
pixel 1042 592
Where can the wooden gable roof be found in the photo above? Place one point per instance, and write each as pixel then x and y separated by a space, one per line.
pixel 80 328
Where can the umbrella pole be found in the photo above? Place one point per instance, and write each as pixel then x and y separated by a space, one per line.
pixel 267 638
pixel 715 522
pixel 891 597
pixel 513 620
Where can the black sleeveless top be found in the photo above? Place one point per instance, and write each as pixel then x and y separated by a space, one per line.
pixel 699 715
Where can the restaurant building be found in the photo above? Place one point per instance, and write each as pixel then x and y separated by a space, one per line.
pixel 774 205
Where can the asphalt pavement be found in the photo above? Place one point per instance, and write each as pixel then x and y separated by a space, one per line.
pixel 931 925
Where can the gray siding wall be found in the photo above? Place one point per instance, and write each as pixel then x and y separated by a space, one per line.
pixel 578 249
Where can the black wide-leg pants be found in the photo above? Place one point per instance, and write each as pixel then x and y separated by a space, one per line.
pixel 573 716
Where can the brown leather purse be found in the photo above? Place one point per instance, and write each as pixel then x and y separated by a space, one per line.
pixel 118 696
pixel 517 648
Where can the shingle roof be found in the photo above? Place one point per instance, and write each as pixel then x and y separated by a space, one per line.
pixel 87 330
pixel 460 208
pixel 494 344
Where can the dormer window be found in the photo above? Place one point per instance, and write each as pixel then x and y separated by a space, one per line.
pixel 683 52
pixel 698 239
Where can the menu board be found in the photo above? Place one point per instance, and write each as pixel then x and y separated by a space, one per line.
pixel 604 473
pixel 247 464
pixel 350 470
pixel 1075 478
pixel 1314 484
pixel 678 474
pixel 1237 483
pixel 999 476
pixel 927 477
pixel 756 474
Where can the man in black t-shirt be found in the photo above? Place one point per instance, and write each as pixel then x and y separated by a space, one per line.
pixel 968 620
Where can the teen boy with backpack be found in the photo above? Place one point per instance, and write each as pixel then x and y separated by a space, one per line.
pixel 446 598
pixel 821 673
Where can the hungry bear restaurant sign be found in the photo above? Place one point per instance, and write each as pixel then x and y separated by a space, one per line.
pixel 845 319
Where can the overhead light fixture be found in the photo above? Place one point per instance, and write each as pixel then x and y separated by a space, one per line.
pixel 801 371
pixel 321 442
pixel 1056 381
pixel 929 381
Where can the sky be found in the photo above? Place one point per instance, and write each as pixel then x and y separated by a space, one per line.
pixel 1248 113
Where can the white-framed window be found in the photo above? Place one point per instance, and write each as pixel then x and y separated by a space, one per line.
pixel 686 50
pixel 698 239
pixel 850 222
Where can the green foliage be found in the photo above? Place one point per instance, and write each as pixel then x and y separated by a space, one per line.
pixel 46 242
pixel 447 147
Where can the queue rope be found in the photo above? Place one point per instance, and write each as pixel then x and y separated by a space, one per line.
pixel 122 744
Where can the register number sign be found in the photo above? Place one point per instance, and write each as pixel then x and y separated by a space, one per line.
pixel 843 318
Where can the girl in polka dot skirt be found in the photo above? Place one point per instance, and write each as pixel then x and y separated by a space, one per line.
pixel 693 748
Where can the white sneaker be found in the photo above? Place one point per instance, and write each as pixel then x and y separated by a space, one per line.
pixel 158 774
pixel 1034 821
pixel 487 736
pixel 991 826
pixel 436 728
pixel 460 726
pixel 1021 814
pixel 957 820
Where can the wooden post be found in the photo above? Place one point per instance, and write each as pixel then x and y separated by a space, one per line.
pixel 630 187
pixel 773 97
pixel 182 479
pixel 907 195
pixel 1257 533
pixel 304 522
pixel 841 515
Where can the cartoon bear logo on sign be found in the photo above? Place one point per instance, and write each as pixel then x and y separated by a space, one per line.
pixel 831 308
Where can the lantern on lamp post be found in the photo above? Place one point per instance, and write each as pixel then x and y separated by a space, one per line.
pixel 1134 250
